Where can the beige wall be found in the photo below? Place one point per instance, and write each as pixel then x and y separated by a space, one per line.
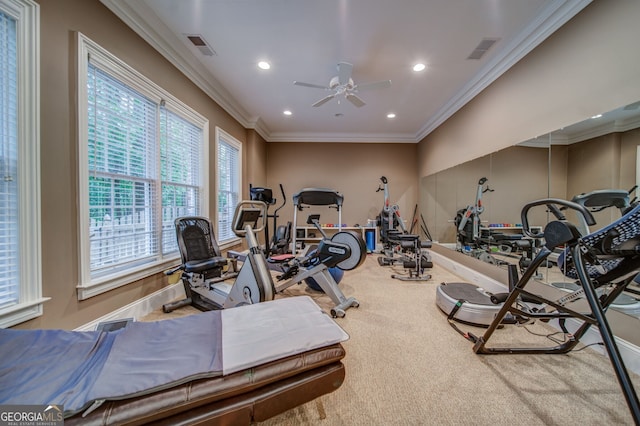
pixel 594 164
pixel 255 161
pixel 588 66
pixel 353 169
pixel 60 20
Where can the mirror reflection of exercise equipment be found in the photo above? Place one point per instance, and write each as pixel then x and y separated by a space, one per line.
pixel 467 222
pixel 202 265
pixel 496 243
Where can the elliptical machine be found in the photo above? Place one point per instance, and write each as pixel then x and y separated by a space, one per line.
pixel 279 243
pixel 204 283
pixel 468 219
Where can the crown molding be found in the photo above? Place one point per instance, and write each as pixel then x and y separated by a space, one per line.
pixel 617 126
pixel 343 137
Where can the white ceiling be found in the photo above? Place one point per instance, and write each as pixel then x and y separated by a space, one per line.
pixel 304 40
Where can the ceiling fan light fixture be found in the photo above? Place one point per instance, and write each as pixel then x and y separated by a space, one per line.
pixel 419 67
pixel 343 86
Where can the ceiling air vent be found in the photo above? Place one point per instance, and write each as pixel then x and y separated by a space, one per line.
pixel 482 48
pixel 202 45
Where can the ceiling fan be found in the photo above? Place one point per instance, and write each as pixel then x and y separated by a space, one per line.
pixel 342 84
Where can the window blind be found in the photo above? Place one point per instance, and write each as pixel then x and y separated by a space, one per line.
pixel 122 129
pixel 228 187
pixel 9 245
pixel 180 146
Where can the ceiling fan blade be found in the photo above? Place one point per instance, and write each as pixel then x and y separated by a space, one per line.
pixel 355 100
pixel 324 100
pixel 344 72
pixel 376 85
pixel 315 86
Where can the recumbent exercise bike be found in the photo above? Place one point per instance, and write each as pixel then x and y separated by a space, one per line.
pixel 202 263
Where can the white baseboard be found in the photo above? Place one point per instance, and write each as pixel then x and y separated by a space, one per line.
pixel 469 274
pixel 629 352
pixel 140 307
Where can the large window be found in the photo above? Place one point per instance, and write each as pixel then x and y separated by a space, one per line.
pixel 142 164
pixel 20 281
pixel 229 190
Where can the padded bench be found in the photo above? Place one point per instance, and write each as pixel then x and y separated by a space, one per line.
pixel 234 366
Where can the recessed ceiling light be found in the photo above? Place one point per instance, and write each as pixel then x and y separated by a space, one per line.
pixel 264 65
pixel 391 115
pixel 419 67
pixel 287 112
pixel 597 116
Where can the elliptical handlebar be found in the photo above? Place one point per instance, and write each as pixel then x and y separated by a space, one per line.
pixel 552 205
pixel 284 201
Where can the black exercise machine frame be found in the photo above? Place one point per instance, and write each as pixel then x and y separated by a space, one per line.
pixel 557 233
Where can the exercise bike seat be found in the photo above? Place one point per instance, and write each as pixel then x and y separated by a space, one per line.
pixel 280 258
pixel 203 265
pixel 610 246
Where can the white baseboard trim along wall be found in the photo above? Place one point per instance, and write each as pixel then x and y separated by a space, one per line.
pixel 630 353
pixel 469 274
pixel 140 307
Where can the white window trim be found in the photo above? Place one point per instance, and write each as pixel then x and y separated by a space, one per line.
pixel 238 145
pixel 88 287
pixel 27 13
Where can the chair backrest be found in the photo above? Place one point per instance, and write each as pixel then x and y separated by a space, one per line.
pixel 196 238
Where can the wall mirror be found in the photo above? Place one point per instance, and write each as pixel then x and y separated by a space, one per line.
pixel 598 153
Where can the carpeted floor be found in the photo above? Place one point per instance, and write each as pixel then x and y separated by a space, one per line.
pixel 406 366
